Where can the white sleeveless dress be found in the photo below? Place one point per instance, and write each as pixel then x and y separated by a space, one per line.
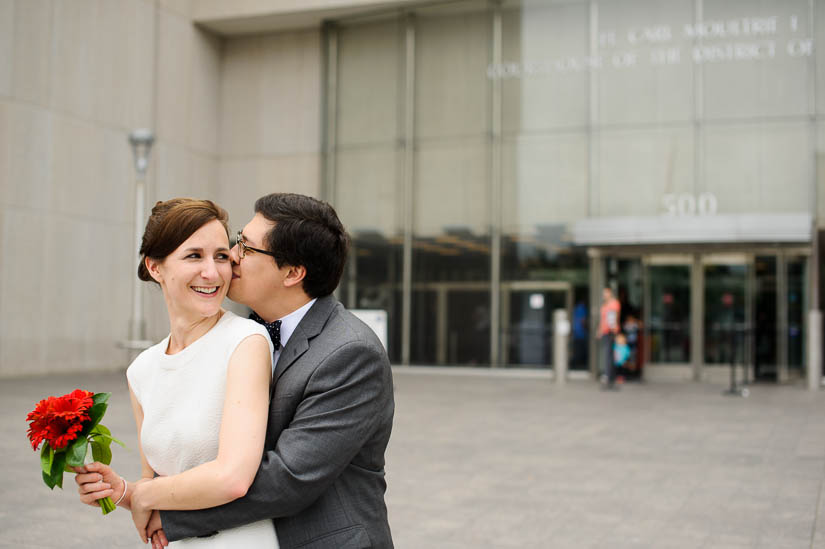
pixel 182 399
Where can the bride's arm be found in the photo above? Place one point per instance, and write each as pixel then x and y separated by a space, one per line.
pixel 241 442
pixel 96 480
pixel 146 471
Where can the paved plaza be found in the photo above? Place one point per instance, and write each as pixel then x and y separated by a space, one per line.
pixel 514 461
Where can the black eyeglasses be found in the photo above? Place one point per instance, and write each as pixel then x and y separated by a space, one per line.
pixel 243 247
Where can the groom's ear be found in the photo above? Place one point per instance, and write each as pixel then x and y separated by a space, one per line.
pixel 295 276
pixel 153 266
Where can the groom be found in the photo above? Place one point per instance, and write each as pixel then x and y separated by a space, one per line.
pixel 322 474
pixel 321 478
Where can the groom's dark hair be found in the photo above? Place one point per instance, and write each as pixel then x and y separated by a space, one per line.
pixel 307 233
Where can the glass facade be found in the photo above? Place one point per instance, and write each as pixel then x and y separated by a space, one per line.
pixel 466 140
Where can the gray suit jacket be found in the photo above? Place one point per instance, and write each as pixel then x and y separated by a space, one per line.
pixel 322 474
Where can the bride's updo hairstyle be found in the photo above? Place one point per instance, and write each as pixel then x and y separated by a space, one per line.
pixel 171 223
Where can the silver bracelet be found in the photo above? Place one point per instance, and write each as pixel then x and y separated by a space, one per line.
pixel 123 495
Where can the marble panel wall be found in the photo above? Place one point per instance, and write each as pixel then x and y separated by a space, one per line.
pixel 75 79
pixel 270 119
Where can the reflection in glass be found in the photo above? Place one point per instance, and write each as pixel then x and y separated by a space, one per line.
pixel 580 137
pixel 451 300
pixel 369 284
pixel 796 310
pixel 543 258
pixel 468 321
pixel 580 329
pixel 367 166
pixel 766 348
pixel 423 336
pixel 530 328
pixel 451 209
pixel 724 313
pixel 628 277
pixel 669 326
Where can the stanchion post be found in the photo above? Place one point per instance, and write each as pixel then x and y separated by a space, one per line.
pixel 814 349
pixel 561 331
pixel 735 390
pixel 732 357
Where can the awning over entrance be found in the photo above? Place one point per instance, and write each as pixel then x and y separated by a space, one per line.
pixel 769 227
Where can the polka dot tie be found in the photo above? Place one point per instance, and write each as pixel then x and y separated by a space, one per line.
pixel 274 329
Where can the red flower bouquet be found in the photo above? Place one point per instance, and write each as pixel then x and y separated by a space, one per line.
pixel 67 426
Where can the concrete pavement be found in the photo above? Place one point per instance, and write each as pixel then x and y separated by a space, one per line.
pixel 501 461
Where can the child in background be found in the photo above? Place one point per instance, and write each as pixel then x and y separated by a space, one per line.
pixel 621 353
pixel 631 329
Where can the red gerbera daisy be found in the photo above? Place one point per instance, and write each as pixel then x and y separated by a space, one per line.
pixel 39 422
pixel 58 420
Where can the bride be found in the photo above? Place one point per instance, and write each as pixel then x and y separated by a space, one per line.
pixel 200 397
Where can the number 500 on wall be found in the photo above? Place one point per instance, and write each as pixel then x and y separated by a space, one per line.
pixel 686 204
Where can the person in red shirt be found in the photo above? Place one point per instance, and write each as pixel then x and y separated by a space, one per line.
pixel 608 328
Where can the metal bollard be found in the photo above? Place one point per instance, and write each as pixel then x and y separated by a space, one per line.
pixel 561 331
pixel 814 349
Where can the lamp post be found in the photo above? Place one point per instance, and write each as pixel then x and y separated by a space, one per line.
pixel 141 141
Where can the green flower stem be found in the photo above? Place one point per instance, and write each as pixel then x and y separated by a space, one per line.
pixel 107 505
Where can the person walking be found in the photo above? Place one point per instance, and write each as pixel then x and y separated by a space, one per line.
pixel 608 328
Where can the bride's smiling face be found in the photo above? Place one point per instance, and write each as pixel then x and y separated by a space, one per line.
pixel 196 276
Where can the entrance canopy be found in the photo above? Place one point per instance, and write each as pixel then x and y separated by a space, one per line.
pixel 769 227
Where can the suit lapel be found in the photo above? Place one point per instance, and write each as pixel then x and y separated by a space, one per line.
pixel 309 327
pixel 297 346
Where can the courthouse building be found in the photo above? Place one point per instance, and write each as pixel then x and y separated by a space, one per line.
pixel 493 160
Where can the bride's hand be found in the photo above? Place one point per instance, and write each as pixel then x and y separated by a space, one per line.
pixel 96 481
pixel 140 513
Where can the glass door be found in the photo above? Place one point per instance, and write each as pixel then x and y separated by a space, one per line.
pixel 766 317
pixel 528 328
pixel 450 324
pixel 468 327
pixel 425 340
pixel 754 313
pixel 726 310
pixel 667 323
pixel 796 304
